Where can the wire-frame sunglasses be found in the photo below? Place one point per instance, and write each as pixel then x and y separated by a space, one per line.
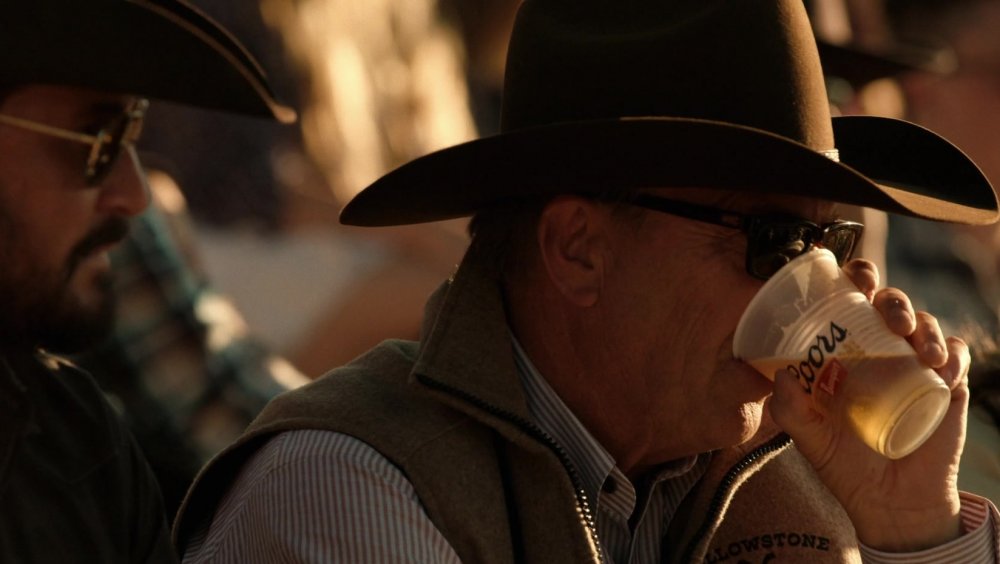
pixel 121 132
pixel 772 240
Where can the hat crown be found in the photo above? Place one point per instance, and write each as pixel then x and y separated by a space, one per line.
pixel 752 62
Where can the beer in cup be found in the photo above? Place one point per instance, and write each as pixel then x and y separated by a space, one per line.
pixel 811 320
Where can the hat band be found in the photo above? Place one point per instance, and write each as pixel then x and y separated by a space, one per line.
pixel 832 154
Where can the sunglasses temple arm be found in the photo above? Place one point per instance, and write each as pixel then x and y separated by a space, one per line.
pixel 49 130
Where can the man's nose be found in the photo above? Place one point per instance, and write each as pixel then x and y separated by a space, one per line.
pixel 125 190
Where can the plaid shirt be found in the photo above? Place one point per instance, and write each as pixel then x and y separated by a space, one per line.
pixel 181 366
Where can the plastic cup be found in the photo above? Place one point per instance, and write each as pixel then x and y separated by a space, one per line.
pixel 810 319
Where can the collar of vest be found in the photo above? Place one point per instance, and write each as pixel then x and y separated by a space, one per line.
pixel 466 344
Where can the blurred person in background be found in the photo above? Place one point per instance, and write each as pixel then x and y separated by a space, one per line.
pixel 74 75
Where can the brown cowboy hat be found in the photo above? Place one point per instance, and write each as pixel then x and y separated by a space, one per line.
pixel 164 49
pixel 643 93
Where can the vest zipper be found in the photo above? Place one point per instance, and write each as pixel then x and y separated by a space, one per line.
pixel 582 501
pixel 715 506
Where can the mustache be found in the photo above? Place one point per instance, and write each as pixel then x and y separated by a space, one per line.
pixel 112 231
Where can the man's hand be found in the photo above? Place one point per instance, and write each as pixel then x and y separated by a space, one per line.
pixel 900 505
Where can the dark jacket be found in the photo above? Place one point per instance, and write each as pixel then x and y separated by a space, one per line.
pixel 73 485
pixel 450 412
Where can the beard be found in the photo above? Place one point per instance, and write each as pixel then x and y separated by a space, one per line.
pixel 39 307
pixel 71 327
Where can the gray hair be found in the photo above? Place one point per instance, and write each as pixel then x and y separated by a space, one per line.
pixel 506 234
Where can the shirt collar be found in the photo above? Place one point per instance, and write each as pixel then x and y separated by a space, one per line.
pixel 594 464
pixel 592 461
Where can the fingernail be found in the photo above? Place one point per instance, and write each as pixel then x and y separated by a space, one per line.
pixel 933 348
pixel 948 375
pixel 898 313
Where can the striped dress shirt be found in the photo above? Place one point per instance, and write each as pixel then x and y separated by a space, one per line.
pixel 320 496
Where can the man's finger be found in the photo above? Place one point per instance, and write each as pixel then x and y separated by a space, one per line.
pixel 864 274
pixel 955 372
pixel 928 340
pixel 897 311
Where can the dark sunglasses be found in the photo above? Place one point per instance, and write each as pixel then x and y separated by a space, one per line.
pixel 120 133
pixel 772 240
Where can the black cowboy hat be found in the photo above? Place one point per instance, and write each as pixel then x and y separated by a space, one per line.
pixel 163 49
pixel 606 94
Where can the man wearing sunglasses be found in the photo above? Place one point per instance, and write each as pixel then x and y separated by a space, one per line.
pixel 74 78
pixel 574 395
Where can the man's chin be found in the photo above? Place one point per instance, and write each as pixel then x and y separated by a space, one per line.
pixel 754 422
pixel 77 326
pixel 80 335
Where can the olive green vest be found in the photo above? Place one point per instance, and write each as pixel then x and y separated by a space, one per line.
pixel 451 414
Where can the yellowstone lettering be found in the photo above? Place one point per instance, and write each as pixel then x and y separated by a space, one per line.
pixel 744 548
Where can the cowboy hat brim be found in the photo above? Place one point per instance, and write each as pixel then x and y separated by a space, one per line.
pixel 887 164
pixel 166 50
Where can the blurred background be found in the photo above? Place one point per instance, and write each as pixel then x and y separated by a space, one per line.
pixel 240 283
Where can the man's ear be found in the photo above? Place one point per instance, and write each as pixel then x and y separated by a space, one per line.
pixel 571 243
